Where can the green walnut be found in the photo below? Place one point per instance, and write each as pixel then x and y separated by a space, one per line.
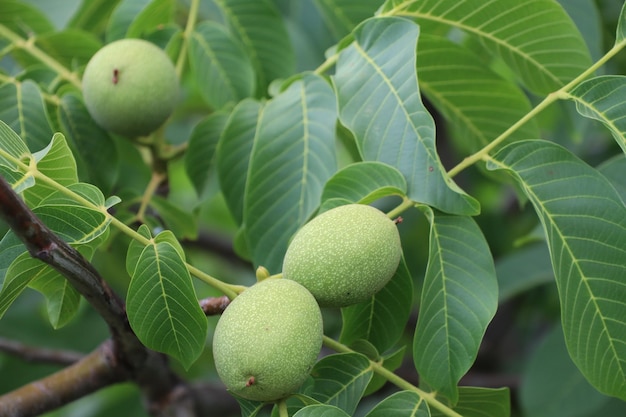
pixel 130 87
pixel 267 340
pixel 344 255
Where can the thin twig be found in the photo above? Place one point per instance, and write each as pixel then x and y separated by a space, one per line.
pixel 37 354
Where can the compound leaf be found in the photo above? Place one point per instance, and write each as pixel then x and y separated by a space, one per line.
pixel 340 380
pixel 459 299
pixel 292 158
pixel 584 220
pixel 379 101
pixel 535 38
pixel 602 98
pixel 162 305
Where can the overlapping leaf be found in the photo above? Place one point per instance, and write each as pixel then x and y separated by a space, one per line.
pixel 95 151
pixel 552 386
pixel 602 98
pixel 584 220
pixel 459 299
pixel 22 108
pixel 478 104
pixel 260 28
pixel 364 182
pixel 92 15
pixel 379 102
pixel 200 155
pixel 382 319
pixel 536 38
pixel 292 158
pixel 56 162
pixel 401 404
pixel 12 147
pixel 321 410
pixel 233 154
pixel 132 18
pixel 223 72
pixel 162 306
pixel 24 18
pixel 340 380
pixel 341 16
pixel 480 402
pixel 613 170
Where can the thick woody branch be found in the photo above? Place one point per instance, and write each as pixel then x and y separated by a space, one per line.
pixel 163 390
pixel 97 370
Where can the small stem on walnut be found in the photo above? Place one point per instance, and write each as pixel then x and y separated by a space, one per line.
pixel 401 208
pixel 282 408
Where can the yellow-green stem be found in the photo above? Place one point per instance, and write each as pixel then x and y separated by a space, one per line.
pixel 156 179
pixel 191 23
pixel 406 204
pixel 398 381
pixel 548 100
pixel 282 408
pixel 29 46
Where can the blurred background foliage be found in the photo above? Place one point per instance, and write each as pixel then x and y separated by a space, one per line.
pixel 523 340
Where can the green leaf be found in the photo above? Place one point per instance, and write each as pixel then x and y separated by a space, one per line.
pixel 92 15
pixel 459 299
pixel 522 270
pixel 62 299
pixel 21 271
pixel 340 380
pixel 535 38
pixel 477 103
pixel 552 386
pixel 182 223
pixel 73 224
pixel 613 170
pixel 12 147
pixel 96 153
pixel 135 248
pixel 364 182
pixel 201 150
pixel 24 18
pixel 233 154
pixel 22 108
pixel 601 98
pixel 72 48
pixel 481 402
pixel 162 306
pixel 55 161
pixel 292 158
pixel 383 318
pixel 10 248
pixel 222 70
pixel 584 220
pixel 621 26
pixel 379 102
pixel 249 408
pixel 321 410
pixel 401 404
pixel 342 16
pixel 260 28
pixel 133 18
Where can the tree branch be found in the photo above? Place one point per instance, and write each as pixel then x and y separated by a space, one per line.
pixel 35 354
pixel 163 391
pixel 97 370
